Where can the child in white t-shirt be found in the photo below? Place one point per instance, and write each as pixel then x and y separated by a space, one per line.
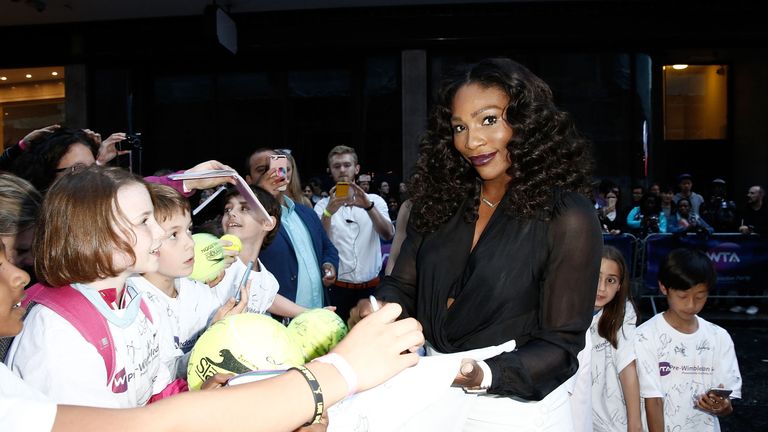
pixel 374 348
pixel 96 228
pixel 681 357
pixel 239 221
pixel 615 388
pixel 183 308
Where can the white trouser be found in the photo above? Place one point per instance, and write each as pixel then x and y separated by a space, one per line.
pixel 497 413
pixel 491 413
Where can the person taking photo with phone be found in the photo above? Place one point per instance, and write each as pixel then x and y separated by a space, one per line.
pixel 355 221
pixel 301 256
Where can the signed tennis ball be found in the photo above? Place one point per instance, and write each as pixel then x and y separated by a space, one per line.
pixel 237 245
pixel 241 343
pixel 209 257
pixel 317 331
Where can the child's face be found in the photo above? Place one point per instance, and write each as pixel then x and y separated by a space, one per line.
pixel 608 284
pixel 686 304
pixel 177 254
pixel 19 248
pixel 137 207
pixel 12 283
pixel 238 219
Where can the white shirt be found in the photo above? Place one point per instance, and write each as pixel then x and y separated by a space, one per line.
pixel 264 286
pixel 22 408
pixel 180 320
pixel 609 410
pixel 580 389
pixel 356 239
pixel 51 356
pixel 679 367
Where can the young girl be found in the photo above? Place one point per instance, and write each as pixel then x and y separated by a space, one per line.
pixel 615 388
pixel 96 227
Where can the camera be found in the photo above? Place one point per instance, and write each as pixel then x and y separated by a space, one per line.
pixel 131 142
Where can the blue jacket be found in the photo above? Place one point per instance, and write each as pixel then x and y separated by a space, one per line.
pixel 280 257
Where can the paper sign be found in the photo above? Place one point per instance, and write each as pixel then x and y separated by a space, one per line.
pixel 260 213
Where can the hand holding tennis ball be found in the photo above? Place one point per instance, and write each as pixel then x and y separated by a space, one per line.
pixel 209 258
pixel 236 246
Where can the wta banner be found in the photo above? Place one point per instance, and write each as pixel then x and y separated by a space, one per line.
pixel 741 261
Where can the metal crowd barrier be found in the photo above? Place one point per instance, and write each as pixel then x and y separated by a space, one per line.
pixel 741 262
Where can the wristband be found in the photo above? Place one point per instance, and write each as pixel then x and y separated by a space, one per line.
pixel 317 393
pixel 369 207
pixel 346 371
pixel 327 214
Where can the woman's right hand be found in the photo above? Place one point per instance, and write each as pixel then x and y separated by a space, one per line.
pixel 360 311
pixel 373 347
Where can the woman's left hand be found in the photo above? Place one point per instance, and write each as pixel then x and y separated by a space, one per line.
pixel 470 374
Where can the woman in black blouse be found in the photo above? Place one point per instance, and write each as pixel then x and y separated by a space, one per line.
pixel 502 242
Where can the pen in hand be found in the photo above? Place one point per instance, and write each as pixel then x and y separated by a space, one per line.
pixel 243 281
pixel 374 303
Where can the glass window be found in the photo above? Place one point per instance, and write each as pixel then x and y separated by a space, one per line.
pixel 695 102
pixel 30 98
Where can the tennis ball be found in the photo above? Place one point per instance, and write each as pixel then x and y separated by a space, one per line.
pixel 242 343
pixel 237 245
pixel 317 331
pixel 209 257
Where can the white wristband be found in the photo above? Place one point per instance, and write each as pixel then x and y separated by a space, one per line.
pixel 487 374
pixel 346 371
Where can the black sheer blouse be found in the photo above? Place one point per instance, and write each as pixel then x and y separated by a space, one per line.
pixel 527 279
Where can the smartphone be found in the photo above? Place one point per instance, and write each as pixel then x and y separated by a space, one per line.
pixel 342 189
pixel 720 392
pixel 281 163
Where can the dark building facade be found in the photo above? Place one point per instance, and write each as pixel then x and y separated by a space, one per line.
pixel 311 79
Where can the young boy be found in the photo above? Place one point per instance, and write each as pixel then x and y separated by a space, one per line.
pixel 681 356
pixel 182 307
pixel 239 221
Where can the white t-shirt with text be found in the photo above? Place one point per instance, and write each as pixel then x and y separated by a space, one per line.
pixel 264 286
pixel 181 320
pixel 52 356
pixel 609 410
pixel 679 367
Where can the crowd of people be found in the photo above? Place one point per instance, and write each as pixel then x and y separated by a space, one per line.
pixel 680 210
pixel 497 241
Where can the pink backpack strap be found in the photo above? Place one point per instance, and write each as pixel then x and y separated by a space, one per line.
pixel 145 309
pixel 68 303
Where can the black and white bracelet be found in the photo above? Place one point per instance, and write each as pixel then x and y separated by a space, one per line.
pixel 317 393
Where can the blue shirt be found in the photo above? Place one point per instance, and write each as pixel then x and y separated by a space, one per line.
pixel 309 292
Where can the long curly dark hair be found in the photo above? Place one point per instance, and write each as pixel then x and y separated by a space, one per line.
pixel 547 152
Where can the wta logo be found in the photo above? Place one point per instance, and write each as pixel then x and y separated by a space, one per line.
pixel 120 382
pixel 664 368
